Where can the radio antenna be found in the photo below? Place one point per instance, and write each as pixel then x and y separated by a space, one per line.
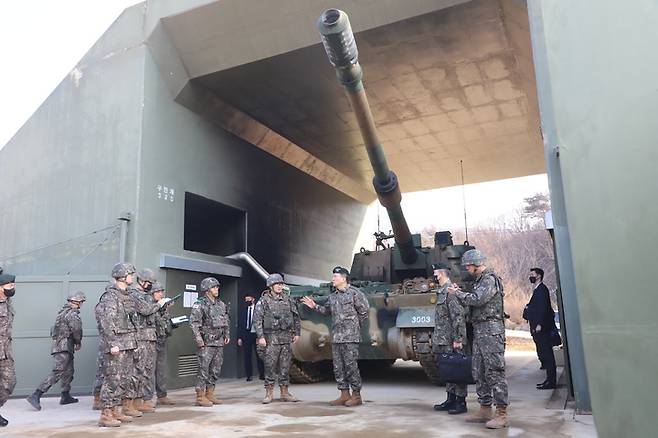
pixel 461 166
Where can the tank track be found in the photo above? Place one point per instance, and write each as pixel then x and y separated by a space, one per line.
pixel 422 345
pixel 310 372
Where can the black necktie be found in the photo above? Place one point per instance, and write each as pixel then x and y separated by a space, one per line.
pixel 249 318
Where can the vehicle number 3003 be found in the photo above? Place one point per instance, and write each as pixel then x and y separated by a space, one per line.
pixel 421 319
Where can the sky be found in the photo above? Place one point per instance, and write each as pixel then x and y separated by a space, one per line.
pixel 42 40
pixel 40 43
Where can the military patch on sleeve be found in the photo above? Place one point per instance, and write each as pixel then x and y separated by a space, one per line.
pixel 196 305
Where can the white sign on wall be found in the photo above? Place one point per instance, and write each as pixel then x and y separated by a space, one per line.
pixel 189 298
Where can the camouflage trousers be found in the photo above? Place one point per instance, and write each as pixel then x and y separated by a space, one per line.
pixel 119 378
pixel 62 371
pixel 489 369
pixel 145 368
pixel 7 379
pixel 458 389
pixel 159 381
pixel 100 369
pixel 277 364
pixel 210 365
pixel 346 367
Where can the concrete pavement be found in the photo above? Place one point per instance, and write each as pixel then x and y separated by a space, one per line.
pixel 398 402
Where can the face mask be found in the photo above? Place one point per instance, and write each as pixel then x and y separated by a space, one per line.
pixel 147 286
pixel 10 292
pixel 533 280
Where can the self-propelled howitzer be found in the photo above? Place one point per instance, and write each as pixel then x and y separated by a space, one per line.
pixel 397 280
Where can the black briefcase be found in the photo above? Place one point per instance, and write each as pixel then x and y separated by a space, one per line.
pixel 455 368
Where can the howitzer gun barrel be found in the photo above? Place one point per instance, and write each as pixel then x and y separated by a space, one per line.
pixel 339 43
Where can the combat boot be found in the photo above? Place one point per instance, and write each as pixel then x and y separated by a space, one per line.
pixel 165 401
pixel 201 399
pixel 448 404
pixel 35 399
pixel 107 419
pixel 500 420
pixel 459 407
pixel 149 406
pixel 96 406
pixel 129 409
pixel 269 394
pixel 355 400
pixel 66 398
pixel 117 414
pixel 285 395
pixel 482 416
pixel 3 421
pixel 142 406
pixel 210 395
pixel 340 401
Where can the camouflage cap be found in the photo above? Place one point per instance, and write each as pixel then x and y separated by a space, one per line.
pixel 473 257
pixel 341 270
pixel 157 287
pixel 77 296
pixel 273 279
pixel 208 283
pixel 146 274
pixel 121 270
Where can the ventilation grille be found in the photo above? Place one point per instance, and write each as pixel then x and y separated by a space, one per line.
pixel 188 365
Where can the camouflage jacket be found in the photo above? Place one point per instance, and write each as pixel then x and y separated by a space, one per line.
pixel 449 323
pixel 276 318
pixel 486 303
pixel 115 318
pixel 163 326
pixel 210 321
pixel 6 322
pixel 349 310
pixel 144 314
pixel 67 330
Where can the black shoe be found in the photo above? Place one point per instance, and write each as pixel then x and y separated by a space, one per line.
pixel 459 407
pixel 35 399
pixel 249 379
pixel 67 399
pixel 448 404
pixel 261 377
pixel 541 384
pixel 3 421
pixel 547 385
pixel 542 367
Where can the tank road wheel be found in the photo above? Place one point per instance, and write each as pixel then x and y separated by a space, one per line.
pixel 422 346
pixel 310 372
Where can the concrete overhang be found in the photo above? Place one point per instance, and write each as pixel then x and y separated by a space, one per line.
pixel 448 81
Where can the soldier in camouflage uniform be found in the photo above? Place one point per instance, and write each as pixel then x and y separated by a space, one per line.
pixel 67 339
pixel 115 314
pixel 277 323
pixel 7 370
pixel 349 311
pixel 209 321
pixel 449 336
pixel 487 317
pixel 145 317
pixel 163 329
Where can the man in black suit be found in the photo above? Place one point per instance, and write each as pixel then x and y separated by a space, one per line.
pixel 247 338
pixel 539 313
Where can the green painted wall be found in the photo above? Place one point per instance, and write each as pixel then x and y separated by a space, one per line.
pixel 601 64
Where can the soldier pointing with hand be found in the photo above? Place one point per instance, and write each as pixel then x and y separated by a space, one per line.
pixel 349 311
